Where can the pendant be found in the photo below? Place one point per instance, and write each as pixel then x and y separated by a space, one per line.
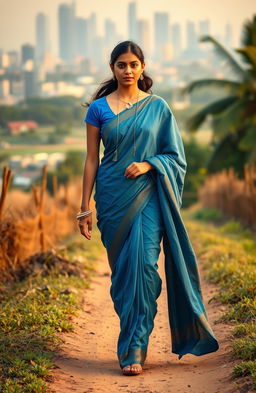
pixel 129 105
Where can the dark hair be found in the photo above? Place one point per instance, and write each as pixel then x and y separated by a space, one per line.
pixel 110 85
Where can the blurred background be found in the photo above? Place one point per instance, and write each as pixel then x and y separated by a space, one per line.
pixel 201 57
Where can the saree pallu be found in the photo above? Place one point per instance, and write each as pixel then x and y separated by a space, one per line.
pixel 133 216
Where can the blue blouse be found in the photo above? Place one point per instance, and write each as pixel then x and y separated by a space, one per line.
pixel 99 112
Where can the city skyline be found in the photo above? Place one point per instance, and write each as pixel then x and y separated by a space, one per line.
pixel 196 13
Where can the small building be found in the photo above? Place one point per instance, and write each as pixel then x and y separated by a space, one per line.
pixel 17 127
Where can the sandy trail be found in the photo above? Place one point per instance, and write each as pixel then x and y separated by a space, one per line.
pixel 88 361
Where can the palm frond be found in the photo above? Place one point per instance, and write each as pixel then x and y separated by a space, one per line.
pixel 218 83
pixel 232 118
pixel 195 121
pixel 249 54
pixel 226 154
pixel 249 32
pixel 223 52
pixel 218 148
pixel 249 140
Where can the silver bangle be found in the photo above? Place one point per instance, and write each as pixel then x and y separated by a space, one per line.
pixel 83 214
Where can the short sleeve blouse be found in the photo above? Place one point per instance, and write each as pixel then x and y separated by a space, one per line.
pixel 99 112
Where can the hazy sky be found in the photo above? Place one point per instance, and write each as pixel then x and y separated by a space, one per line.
pixel 17 17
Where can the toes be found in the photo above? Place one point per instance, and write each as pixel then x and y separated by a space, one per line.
pixel 136 367
pixel 127 368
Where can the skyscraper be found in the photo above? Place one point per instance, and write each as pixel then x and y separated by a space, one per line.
pixel 66 32
pixel 110 32
pixel 204 27
pixel 176 39
pixel 228 36
pixel 42 42
pixel 29 78
pixel 92 36
pixel 132 21
pixel 204 30
pixel 13 59
pixel 27 53
pixel 192 44
pixel 143 36
pixel 161 33
pixel 81 37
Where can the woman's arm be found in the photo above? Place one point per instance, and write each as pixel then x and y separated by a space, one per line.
pixel 90 169
pixel 91 164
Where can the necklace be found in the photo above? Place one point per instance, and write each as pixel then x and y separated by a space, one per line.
pixel 117 130
pixel 129 104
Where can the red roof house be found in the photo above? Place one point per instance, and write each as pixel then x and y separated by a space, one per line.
pixel 16 127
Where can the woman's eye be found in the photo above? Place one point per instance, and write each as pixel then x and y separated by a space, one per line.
pixel 123 65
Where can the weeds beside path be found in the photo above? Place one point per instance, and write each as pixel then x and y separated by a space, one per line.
pixel 227 252
pixel 39 306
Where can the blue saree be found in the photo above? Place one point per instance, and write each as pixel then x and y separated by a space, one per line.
pixel 133 216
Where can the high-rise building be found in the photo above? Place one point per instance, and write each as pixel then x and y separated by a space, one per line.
pixel 42 41
pixel 92 36
pixel 228 36
pixel 176 40
pixel 110 32
pixel 132 21
pixel 29 77
pixel 81 37
pixel 13 59
pixel 27 53
pixel 192 40
pixel 204 27
pixel 98 58
pixel 66 32
pixel 161 34
pixel 204 30
pixel 143 36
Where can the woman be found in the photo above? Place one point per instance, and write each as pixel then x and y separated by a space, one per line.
pixel 138 195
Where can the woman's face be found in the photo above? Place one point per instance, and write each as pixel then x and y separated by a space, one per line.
pixel 127 69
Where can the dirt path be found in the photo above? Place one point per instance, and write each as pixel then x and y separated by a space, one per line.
pixel 88 361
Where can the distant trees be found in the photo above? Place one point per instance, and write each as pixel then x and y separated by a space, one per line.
pixel 196 156
pixel 46 111
pixel 72 166
pixel 233 117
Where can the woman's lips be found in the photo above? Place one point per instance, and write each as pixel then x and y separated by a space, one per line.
pixel 128 78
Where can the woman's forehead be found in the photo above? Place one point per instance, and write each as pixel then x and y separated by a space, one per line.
pixel 127 57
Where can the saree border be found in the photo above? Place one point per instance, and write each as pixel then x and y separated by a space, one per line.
pixel 166 181
pixel 137 354
pixel 126 115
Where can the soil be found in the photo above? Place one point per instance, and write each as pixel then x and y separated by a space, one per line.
pixel 87 361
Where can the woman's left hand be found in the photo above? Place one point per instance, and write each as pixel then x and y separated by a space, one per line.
pixel 137 168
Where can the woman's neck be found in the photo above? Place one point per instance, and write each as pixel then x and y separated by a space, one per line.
pixel 127 92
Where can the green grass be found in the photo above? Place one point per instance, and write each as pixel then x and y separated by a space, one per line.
pixel 227 252
pixel 34 310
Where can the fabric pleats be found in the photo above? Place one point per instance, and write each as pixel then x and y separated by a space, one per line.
pixel 136 283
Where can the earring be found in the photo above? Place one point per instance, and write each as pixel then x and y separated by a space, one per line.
pixel 141 77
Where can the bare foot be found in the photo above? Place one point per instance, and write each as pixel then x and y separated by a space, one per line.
pixel 136 368
pixel 126 370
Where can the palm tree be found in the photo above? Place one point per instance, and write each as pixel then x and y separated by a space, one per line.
pixel 234 116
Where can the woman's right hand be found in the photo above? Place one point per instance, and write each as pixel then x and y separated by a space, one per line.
pixel 85 226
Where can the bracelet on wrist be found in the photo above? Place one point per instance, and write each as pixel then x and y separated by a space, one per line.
pixel 83 214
